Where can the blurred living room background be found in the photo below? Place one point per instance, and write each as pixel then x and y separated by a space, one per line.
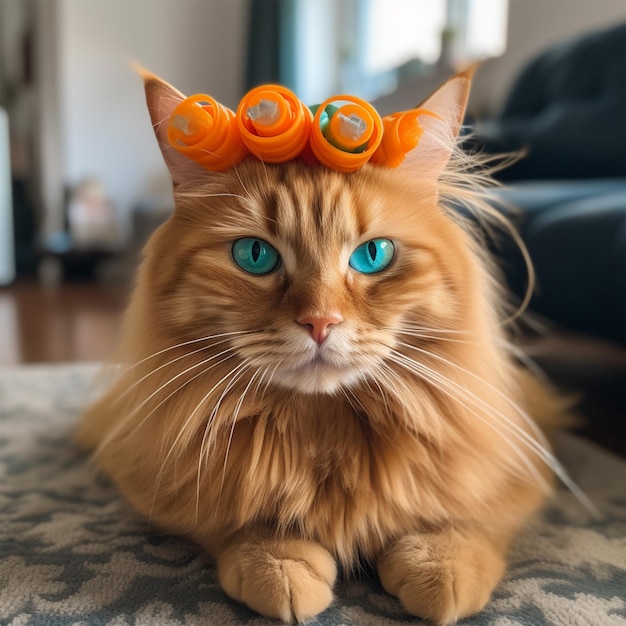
pixel 82 182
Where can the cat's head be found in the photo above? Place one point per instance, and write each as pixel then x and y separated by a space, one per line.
pixel 311 276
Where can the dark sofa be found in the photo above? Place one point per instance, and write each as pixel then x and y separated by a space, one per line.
pixel 567 112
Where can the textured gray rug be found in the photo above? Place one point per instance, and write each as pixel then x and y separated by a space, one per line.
pixel 71 552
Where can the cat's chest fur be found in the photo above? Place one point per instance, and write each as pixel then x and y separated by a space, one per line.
pixel 319 467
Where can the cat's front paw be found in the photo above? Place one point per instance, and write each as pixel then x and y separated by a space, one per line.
pixel 442 577
pixel 288 579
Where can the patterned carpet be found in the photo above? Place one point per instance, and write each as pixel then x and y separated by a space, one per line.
pixel 71 552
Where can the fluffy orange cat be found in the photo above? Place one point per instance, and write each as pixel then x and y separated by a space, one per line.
pixel 290 408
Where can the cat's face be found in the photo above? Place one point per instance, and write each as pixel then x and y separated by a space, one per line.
pixel 313 276
pixel 310 277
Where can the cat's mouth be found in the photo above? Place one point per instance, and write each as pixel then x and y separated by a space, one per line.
pixel 319 360
pixel 298 364
pixel 321 372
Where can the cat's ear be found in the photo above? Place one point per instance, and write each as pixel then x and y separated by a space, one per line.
pixel 448 103
pixel 162 99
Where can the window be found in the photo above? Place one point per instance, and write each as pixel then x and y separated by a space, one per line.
pixel 397 31
pixel 366 47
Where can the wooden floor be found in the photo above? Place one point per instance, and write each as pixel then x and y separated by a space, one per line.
pixel 74 322
pixel 81 322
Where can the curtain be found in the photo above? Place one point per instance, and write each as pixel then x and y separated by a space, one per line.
pixel 271 46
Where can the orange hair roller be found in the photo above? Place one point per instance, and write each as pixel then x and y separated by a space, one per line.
pixel 346 132
pixel 274 125
pixel 206 131
pixel 402 132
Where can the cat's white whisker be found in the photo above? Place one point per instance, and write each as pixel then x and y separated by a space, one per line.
pixel 358 410
pixel 182 344
pixel 157 125
pixel 259 381
pixel 226 195
pixel 233 376
pixel 529 421
pixel 236 170
pixel 204 195
pixel 529 363
pixel 461 396
pixel 437 337
pixel 182 430
pixel 440 335
pixel 128 418
pixel 271 377
pixel 343 391
pixel 203 456
pixel 384 391
pixel 187 382
pixel 425 329
pixel 392 380
pixel 475 399
pixel 171 362
pixel 230 351
pixel 539 446
pixel 234 423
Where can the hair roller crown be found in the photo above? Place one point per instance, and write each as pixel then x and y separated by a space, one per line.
pixel 273 125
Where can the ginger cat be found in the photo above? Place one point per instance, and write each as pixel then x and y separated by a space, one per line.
pixel 315 372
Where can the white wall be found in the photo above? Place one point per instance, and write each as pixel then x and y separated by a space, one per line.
pixel 197 45
pixel 533 26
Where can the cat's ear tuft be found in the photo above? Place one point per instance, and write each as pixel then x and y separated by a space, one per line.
pixel 448 103
pixel 162 99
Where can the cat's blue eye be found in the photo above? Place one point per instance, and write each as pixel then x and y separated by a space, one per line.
pixel 255 255
pixel 372 256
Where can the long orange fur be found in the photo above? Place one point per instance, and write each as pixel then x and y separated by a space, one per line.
pixel 404 439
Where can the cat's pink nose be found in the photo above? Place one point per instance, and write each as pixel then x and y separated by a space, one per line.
pixel 319 325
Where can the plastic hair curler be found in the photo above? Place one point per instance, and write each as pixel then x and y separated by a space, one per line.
pixel 206 131
pixel 346 132
pixel 402 132
pixel 273 123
